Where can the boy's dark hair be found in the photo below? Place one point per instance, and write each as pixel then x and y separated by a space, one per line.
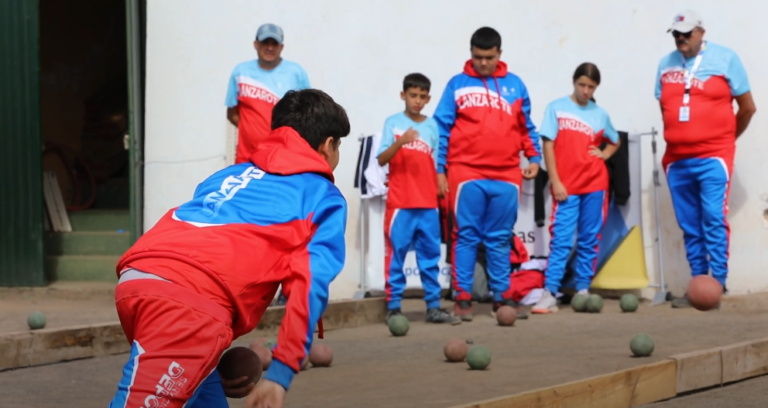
pixel 485 38
pixel 313 114
pixel 416 80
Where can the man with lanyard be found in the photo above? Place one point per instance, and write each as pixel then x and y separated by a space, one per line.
pixel 255 87
pixel 696 86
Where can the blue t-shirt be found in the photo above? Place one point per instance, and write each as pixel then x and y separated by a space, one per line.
pixel 413 169
pixel 398 123
pixel 710 129
pixel 575 130
pixel 717 60
pixel 255 91
pixel 285 77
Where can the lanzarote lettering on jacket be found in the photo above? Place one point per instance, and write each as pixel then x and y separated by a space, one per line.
pixel 480 97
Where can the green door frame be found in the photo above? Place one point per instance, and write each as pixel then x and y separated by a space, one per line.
pixel 22 255
pixel 136 36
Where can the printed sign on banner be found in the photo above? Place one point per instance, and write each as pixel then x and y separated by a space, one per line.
pixel 536 239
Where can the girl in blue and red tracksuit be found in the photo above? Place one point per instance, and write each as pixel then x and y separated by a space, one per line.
pixel 207 271
pixel 484 123
pixel 574 127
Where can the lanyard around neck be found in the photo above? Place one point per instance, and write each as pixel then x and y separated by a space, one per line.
pixel 690 74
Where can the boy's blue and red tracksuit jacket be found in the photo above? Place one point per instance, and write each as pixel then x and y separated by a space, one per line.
pixel 484 125
pixel 277 219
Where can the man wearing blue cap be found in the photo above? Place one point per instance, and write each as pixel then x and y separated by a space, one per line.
pixel 255 87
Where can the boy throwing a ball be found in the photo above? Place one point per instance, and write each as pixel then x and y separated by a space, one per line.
pixel 207 271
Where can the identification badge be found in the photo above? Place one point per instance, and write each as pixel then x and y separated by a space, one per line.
pixel 685 113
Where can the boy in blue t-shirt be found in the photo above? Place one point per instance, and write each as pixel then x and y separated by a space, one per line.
pixel 409 145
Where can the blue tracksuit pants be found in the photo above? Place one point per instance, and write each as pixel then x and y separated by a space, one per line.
pixel 586 214
pixel 403 228
pixel 484 211
pixel 699 189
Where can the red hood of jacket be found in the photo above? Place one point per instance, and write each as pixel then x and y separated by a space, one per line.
pixel 285 152
pixel 501 70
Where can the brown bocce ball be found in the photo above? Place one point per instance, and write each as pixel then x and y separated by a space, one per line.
pixel 506 316
pixel 320 355
pixel 704 292
pixel 240 362
pixel 455 350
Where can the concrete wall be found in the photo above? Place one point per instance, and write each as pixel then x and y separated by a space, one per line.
pixel 359 51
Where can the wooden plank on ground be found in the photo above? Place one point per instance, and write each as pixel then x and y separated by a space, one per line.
pixel 628 388
pixel 46 346
pixel 342 314
pixel 745 360
pixel 699 369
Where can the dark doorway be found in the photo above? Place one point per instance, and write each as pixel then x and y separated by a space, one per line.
pixel 84 101
pixel 84 85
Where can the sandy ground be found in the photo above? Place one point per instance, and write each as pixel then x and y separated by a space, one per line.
pixel 371 368
pixel 64 304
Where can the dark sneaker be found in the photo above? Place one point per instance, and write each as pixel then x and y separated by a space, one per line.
pixel 281 299
pixel 521 313
pixel 391 313
pixel 437 315
pixel 681 302
pixel 463 310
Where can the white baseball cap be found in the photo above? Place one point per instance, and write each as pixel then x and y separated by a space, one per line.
pixel 686 21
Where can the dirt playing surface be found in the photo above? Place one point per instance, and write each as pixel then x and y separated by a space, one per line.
pixel 64 304
pixel 371 368
pixel 539 352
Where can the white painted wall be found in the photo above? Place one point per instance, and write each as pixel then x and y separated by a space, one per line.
pixel 358 52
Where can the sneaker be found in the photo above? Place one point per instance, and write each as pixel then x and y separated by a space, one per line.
pixel 681 302
pixel 282 299
pixel 392 313
pixel 521 313
pixel 463 310
pixel 584 292
pixel 438 315
pixel 547 304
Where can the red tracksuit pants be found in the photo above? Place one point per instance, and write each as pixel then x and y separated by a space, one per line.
pixel 177 337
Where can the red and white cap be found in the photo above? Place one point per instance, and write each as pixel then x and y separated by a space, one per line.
pixel 686 21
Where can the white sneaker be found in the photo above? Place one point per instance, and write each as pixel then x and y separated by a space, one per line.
pixel 584 292
pixel 547 304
